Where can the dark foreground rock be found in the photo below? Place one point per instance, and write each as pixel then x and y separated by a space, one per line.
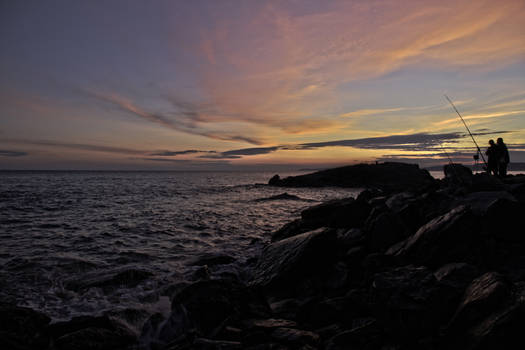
pixel 424 267
pixel 389 176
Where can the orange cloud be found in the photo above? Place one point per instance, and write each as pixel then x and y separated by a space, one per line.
pixel 277 67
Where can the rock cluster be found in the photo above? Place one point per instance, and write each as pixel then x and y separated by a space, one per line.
pixel 435 267
pixel 439 266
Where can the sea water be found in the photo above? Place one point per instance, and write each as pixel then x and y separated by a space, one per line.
pixel 85 243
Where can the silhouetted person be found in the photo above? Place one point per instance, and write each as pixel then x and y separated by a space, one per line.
pixel 503 157
pixel 492 158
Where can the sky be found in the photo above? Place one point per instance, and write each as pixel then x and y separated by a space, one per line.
pixel 218 85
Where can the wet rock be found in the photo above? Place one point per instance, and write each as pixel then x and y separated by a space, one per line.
pixel 287 266
pixel 388 176
pixel 292 228
pixel 451 237
pixel 483 296
pixel 502 329
pixel 22 328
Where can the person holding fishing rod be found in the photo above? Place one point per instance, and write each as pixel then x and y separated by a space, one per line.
pixel 503 157
pixel 497 153
pixel 492 154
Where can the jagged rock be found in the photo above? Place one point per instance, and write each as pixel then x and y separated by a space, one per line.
pixel 451 237
pixel 388 176
pixel 22 328
pixel 287 266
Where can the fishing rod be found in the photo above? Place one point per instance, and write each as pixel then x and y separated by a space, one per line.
pixel 472 136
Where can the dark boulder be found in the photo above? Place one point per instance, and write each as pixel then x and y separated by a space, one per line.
pixel 337 213
pixel 456 275
pixel 205 308
pixel 409 302
pixel 292 228
pixel 275 180
pixel 454 236
pixel 489 316
pixel 458 174
pixel 382 229
pixel 288 266
pixel 345 212
pixel 388 176
pixel 482 297
pixel 22 328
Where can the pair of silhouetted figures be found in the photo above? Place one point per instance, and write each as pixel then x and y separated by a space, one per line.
pixel 497 158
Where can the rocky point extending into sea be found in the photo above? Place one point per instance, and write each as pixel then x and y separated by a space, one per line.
pixel 411 263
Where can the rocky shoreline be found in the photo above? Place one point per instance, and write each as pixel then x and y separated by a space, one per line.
pixel 411 264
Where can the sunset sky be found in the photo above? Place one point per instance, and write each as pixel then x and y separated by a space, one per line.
pixel 231 84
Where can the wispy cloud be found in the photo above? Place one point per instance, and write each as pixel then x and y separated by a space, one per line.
pixel 419 142
pixel 295 63
pixel 10 153
pixel 186 120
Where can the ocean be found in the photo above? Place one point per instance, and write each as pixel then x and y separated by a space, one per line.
pixel 86 242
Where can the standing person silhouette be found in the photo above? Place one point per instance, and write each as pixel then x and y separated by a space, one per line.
pixel 503 157
pixel 492 158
